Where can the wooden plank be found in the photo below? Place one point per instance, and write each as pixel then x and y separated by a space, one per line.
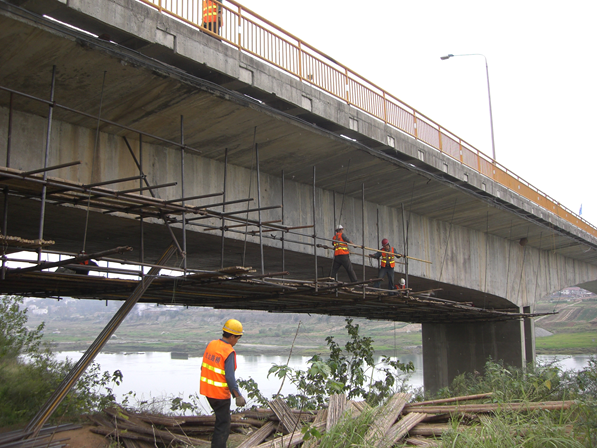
pixel 321 417
pixel 491 407
pixel 449 400
pixel 258 436
pixel 336 408
pixel 285 414
pixel 386 417
pixel 430 429
pixel 401 428
pixel 419 441
pixel 291 439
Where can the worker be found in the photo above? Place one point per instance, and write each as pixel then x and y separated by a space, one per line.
pixel 387 255
pixel 83 271
pixel 342 254
pixel 401 285
pixel 212 16
pixel 218 380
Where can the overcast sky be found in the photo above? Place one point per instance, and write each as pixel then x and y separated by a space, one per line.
pixel 542 68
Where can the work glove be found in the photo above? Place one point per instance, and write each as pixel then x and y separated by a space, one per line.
pixel 240 401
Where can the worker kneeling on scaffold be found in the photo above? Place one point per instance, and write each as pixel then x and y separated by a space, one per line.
pixel 388 256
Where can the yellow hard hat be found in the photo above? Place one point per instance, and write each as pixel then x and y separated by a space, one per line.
pixel 233 326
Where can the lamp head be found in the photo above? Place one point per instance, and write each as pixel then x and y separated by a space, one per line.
pixel 443 58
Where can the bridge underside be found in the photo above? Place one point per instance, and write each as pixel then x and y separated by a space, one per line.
pixel 230 288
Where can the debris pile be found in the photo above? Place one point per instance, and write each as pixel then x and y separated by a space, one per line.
pixel 396 422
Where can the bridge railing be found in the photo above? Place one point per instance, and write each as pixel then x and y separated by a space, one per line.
pixel 255 35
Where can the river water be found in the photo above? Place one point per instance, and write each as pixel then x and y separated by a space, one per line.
pixel 155 375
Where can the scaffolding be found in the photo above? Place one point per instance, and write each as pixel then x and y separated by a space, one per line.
pixel 234 287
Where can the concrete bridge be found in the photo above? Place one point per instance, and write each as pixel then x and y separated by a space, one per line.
pixel 122 124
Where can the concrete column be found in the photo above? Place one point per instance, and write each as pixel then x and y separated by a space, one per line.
pixel 452 349
pixel 529 336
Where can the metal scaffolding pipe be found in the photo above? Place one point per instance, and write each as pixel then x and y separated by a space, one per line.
pixel 184 224
pixel 70 380
pixel 259 206
pixel 224 207
pixel 314 230
pixel 42 216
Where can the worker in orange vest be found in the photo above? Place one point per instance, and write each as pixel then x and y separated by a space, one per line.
pixel 387 255
pixel 212 16
pixel 218 380
pixel 342 254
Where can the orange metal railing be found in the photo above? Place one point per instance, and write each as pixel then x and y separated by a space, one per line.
pixel 255 35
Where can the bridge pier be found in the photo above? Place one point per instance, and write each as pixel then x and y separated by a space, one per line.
pixel 452 349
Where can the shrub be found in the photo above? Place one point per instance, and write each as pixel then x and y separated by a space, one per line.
pixel 29 373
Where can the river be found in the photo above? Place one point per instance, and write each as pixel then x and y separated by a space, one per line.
pixel 155 375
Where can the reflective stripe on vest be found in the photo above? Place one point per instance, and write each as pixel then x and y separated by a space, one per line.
pixel 388 259
pixel 340 247
pixel 210 11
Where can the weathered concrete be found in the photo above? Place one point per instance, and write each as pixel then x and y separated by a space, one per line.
pixel 485 243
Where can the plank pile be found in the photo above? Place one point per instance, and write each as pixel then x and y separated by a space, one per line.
pixel 396 422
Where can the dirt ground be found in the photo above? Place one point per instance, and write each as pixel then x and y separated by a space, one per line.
pixel 83 438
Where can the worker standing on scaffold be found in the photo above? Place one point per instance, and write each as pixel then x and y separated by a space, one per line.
pixel 342 254
pixel 212 16
pixel 387 255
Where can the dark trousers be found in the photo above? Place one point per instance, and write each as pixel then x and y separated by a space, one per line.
pixel 343 260
pixel 222 427
pixel 382 273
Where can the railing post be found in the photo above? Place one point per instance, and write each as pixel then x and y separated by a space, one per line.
pixel 239 27
pixel 415 124
pixel 300 61
pixel 385 115
pixel 439 135
pixel 347 86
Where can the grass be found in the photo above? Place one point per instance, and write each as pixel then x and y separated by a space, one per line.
pixel 563 342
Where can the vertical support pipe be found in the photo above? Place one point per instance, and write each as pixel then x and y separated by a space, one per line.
pixel 363 225
pixel 224 206
pixel 184 220
pixel 8 145
pixel 405 238
pixel 335 225
pixel 315 231
pixel 44 189
pixel 71 379
pixel 141 221
pixel 283 236
pixel 259 206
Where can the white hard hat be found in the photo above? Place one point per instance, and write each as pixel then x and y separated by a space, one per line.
pixel 402 282
pixel 339 227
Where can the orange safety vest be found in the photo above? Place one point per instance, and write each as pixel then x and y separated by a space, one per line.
pixel 340 247
pixel 388 258
pixel 213 375
pixel 210 11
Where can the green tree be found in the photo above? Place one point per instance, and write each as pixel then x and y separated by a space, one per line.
pixel 29 373
pixel 349 369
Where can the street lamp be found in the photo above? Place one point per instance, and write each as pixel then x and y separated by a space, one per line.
pixel 443 58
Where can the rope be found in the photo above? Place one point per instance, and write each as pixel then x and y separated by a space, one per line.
pixel 93 159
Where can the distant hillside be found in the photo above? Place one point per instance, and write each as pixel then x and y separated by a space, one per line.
pixel 73 324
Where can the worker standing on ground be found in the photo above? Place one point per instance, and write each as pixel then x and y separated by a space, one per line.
pixel 218 379
pixel 387 255
pixel 342 254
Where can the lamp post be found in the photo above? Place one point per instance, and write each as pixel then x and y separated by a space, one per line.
pixel 443 58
